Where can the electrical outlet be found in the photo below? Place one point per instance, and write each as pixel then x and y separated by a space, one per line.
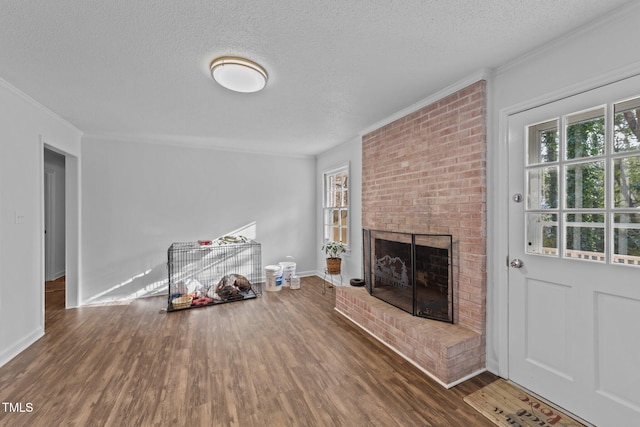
pixel 19 218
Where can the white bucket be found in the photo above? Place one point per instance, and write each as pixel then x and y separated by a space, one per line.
pixel 288 271
pixel 274 277
pixel 295 282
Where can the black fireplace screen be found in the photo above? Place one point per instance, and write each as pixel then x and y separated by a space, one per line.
pixel 411 271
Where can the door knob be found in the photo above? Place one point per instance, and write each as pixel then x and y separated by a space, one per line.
pixel 516 263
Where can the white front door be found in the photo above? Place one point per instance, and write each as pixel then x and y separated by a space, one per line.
pixel 574 253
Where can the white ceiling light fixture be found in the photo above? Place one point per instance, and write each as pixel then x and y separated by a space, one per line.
pixel 238 74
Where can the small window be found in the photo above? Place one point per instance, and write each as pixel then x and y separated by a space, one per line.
pixel 336 205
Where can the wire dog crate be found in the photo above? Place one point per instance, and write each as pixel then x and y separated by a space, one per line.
pixel 209 273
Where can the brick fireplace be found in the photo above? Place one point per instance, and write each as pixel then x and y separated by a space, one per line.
pixel 425 173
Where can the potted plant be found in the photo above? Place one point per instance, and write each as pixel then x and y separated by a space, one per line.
pixel 334 250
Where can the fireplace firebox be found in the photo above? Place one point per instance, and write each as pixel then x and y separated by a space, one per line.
pixel 413 272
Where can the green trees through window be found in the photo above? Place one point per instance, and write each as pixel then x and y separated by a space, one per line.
pixel 583 183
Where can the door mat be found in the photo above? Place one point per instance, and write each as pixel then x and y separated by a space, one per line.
pixel 506 405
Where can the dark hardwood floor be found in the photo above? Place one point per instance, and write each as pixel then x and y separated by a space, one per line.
pixel 285 359
pixel 54 301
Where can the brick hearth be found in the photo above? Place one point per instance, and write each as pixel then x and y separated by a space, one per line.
pixel 448 353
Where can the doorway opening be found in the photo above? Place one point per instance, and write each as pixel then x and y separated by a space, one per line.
pixel 54 231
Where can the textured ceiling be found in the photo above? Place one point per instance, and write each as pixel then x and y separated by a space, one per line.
pixel 139 69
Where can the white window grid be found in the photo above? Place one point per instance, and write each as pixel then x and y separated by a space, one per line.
pixel 558 216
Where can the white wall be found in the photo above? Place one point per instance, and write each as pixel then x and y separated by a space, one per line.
pixel 138 198
pixel 595 55
pixel 348 152
pixel 25 126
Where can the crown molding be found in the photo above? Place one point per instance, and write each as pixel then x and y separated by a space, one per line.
pixel 605 20
pixel 185 141
pixel 482 74
pixel 31 101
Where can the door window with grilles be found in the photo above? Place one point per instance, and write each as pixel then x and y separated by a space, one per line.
pixel 583 185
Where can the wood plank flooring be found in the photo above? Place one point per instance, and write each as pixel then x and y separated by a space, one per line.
pixel 285 359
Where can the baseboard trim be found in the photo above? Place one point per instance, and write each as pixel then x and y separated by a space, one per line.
pixel 334 280
pixel 20 346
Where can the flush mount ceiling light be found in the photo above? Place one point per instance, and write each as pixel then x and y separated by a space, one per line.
pixel 238 74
